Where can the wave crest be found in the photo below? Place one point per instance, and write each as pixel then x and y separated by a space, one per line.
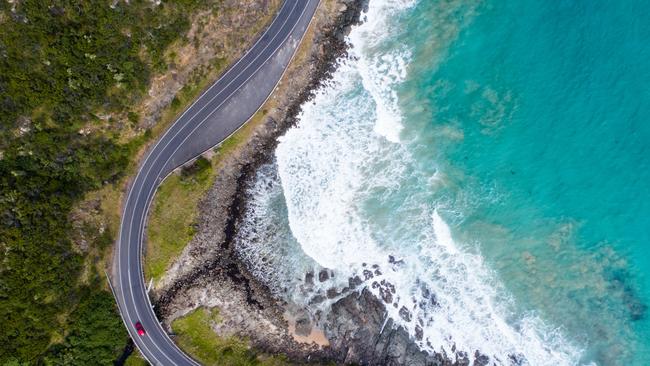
pixel 346 179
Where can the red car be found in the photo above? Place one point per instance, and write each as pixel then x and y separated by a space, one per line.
pixel 140 329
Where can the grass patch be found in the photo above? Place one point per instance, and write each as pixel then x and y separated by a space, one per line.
pixel 135 360
pixel 195 336
pixel 172 222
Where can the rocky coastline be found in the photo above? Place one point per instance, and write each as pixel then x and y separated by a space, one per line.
pixel 210 274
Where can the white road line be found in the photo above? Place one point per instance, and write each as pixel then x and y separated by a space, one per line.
pixel 108 279
pixel 178 147
pixel 216 82
pixel 211 99
pixel 193 130
pixel 128 253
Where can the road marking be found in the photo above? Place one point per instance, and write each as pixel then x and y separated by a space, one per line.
pixel 215 83
pixel 144 180
pixel 193 130
pixel 181 129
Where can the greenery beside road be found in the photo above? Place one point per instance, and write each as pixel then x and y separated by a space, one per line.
pixel 95 334
pixel 135 360
pixel 172 221
pixel 69 70
pixel 196 337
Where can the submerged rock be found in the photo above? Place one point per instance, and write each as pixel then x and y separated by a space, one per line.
pixel 309 278
pixel 303 327
pixel 355 281
pixel 323 275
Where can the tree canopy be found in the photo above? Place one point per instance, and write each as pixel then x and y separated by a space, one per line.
pixel 61 62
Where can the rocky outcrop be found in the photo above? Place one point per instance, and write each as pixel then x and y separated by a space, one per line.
pixel 358 328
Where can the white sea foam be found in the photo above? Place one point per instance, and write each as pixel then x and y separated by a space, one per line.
pixel 264 241
pixel 323 179
pixel 342 170
pixel 381 72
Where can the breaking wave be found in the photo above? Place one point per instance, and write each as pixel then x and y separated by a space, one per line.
pixel 346 196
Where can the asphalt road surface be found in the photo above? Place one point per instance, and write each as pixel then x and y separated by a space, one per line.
pixel 214 116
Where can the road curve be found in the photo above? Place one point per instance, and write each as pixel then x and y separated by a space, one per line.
pixel 215 115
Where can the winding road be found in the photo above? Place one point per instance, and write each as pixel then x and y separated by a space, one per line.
pixel 224 107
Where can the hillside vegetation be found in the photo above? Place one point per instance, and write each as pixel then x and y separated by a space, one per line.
pixel 64 67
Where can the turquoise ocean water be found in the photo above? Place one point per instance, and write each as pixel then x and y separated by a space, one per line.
pixel 492 159
pixel 553 105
